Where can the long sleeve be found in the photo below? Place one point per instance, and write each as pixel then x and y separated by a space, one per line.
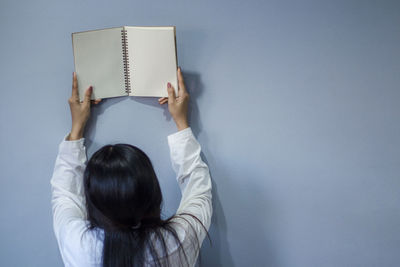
pixel 67 185
pixel 193 178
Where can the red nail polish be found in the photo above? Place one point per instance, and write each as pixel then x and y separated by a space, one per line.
pixel 169 85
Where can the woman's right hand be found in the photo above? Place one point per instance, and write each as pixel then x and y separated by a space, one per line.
pixel 177 105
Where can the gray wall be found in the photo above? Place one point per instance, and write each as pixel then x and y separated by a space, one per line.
pixel 296 105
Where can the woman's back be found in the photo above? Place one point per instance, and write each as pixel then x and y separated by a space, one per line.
pixel 82 247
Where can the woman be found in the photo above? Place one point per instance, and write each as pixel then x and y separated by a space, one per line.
pixel 106 211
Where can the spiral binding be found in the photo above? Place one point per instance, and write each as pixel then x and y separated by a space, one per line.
pixel 124 36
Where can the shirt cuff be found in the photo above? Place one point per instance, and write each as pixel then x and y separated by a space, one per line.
pixel 71 145
pixel 180 135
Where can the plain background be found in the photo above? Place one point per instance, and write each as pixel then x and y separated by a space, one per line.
pixel 295 104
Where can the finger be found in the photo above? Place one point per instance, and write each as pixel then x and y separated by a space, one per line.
pixel 88 94
pixel 162 98
pixel 96 101
pixel 181 82
pixel 171 93
pixel 75 93
pixel 163 101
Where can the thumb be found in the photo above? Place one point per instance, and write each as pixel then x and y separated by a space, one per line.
pixel 171 93
pixel 88 94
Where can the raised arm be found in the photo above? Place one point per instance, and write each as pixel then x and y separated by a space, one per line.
pixel 192 173
pixel 67 196
pixel 193 178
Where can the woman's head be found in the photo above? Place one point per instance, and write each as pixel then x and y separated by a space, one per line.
pixel 123 197
pixel 121 189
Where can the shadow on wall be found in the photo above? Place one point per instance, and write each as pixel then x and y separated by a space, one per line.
pixel 216 252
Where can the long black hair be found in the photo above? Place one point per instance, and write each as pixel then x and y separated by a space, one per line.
pixel 123 197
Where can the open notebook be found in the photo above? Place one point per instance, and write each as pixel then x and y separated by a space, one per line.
pixel 127 60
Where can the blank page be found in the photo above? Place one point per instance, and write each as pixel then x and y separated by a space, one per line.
pixel 98 62
pixel 152 60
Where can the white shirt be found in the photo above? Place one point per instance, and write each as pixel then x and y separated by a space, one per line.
pixel 84 248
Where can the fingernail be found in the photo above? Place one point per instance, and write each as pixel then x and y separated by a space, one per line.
pixel 169 85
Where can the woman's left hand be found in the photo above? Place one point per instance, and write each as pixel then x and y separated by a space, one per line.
pixel 80 111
